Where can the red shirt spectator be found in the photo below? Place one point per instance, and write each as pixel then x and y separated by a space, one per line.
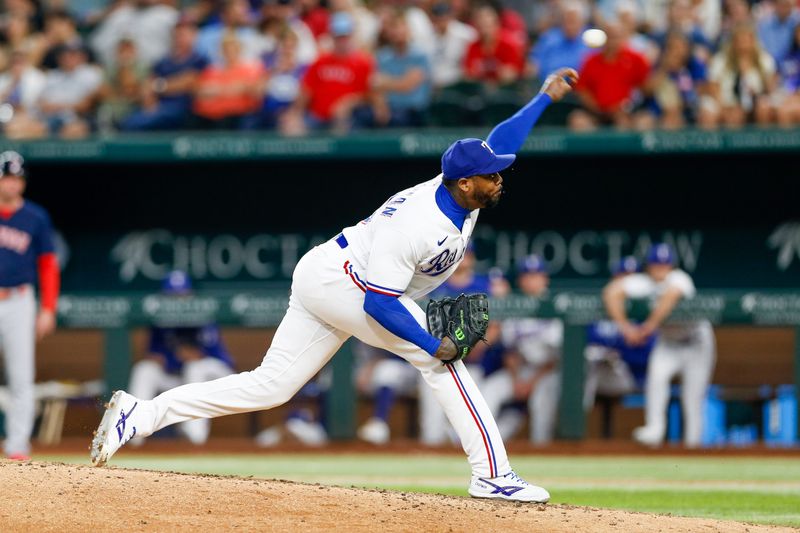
pixel 497 55
pixel 611 80
pixel 316 18
pixel 333 77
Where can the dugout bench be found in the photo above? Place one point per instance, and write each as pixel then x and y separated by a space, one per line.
pixel 116 314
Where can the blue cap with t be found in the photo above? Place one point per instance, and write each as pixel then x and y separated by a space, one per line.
pixel 532 264
pixel 626 265
pixel 471 157
pixel 661 254
pixel 176 282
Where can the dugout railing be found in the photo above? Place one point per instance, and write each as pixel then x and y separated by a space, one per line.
pixel 118 314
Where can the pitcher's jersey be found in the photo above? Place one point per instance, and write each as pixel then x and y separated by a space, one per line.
pixel 643 286
pixel 408 245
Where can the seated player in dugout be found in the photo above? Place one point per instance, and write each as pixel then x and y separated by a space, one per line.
pixel 531 376
pixel 364 283
pixel 614 367
pixel 178 355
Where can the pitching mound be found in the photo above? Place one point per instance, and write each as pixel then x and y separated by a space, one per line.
pixel 57 497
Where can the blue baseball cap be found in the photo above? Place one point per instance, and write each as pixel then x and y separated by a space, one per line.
pixel 176 282
pixel 341 24
pixel 533 264
pixel 470 157
pixel 626 265
pixel 661 254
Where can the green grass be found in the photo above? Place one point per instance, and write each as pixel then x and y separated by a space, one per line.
pixel 762 490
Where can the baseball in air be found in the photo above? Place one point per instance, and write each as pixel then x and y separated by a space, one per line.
pixel 594 38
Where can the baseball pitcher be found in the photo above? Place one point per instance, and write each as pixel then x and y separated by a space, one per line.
pixel 363 283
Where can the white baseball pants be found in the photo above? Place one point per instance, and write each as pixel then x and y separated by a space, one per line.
pixel 17 339
pixel 694 362
pixel 149 378
pixel 542 403
pixel 325 309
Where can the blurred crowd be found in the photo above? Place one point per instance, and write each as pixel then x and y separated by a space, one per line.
pixel 296 66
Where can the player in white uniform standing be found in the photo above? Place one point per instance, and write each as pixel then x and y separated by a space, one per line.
pixel 363 283
pixel 686 349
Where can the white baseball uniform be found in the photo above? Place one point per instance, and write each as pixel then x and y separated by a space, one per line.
pixel 687 349
pixel 406 249
pixel 539 341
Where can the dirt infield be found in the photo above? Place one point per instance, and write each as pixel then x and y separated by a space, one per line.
pixel 43 497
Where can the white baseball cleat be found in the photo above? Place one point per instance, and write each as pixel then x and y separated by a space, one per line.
pixel 509 487
pixel 117 427
pixel 648 436
pixel 309 433
pixel 374 431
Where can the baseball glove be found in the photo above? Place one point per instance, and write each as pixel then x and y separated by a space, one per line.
pixel 464 320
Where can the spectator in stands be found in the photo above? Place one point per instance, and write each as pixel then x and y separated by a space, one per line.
pixel 735 13
pixel 69 95
pixel 561 46
pixel 284 74
pixel 122 88
pixel 148 22
pixel 30 9
pixel 543 15
pixel 609 83
pixel 234 18
pixel 366 25
pixel 180 355
pixel 496 57
pixel 530 377
pixel 21 84
pixel 681 19
pixel 776 28
pixel 59 29
pixel 788 112
pixel 315 16
pixel 676 89
pixel 335 86
pixel 613 366
pixel 167 95
pixel 226 94
pixel 743 78
pixel 627 14
pixel 451 40
pixel 403 77
pixel 18 35
pixel 277 14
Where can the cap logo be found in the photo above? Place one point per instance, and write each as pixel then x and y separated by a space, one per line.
pixel 483 143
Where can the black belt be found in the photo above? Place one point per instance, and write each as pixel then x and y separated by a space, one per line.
pixel 341 241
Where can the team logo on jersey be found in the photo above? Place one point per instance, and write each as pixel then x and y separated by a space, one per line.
pixel 14 239
pixel 440 263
